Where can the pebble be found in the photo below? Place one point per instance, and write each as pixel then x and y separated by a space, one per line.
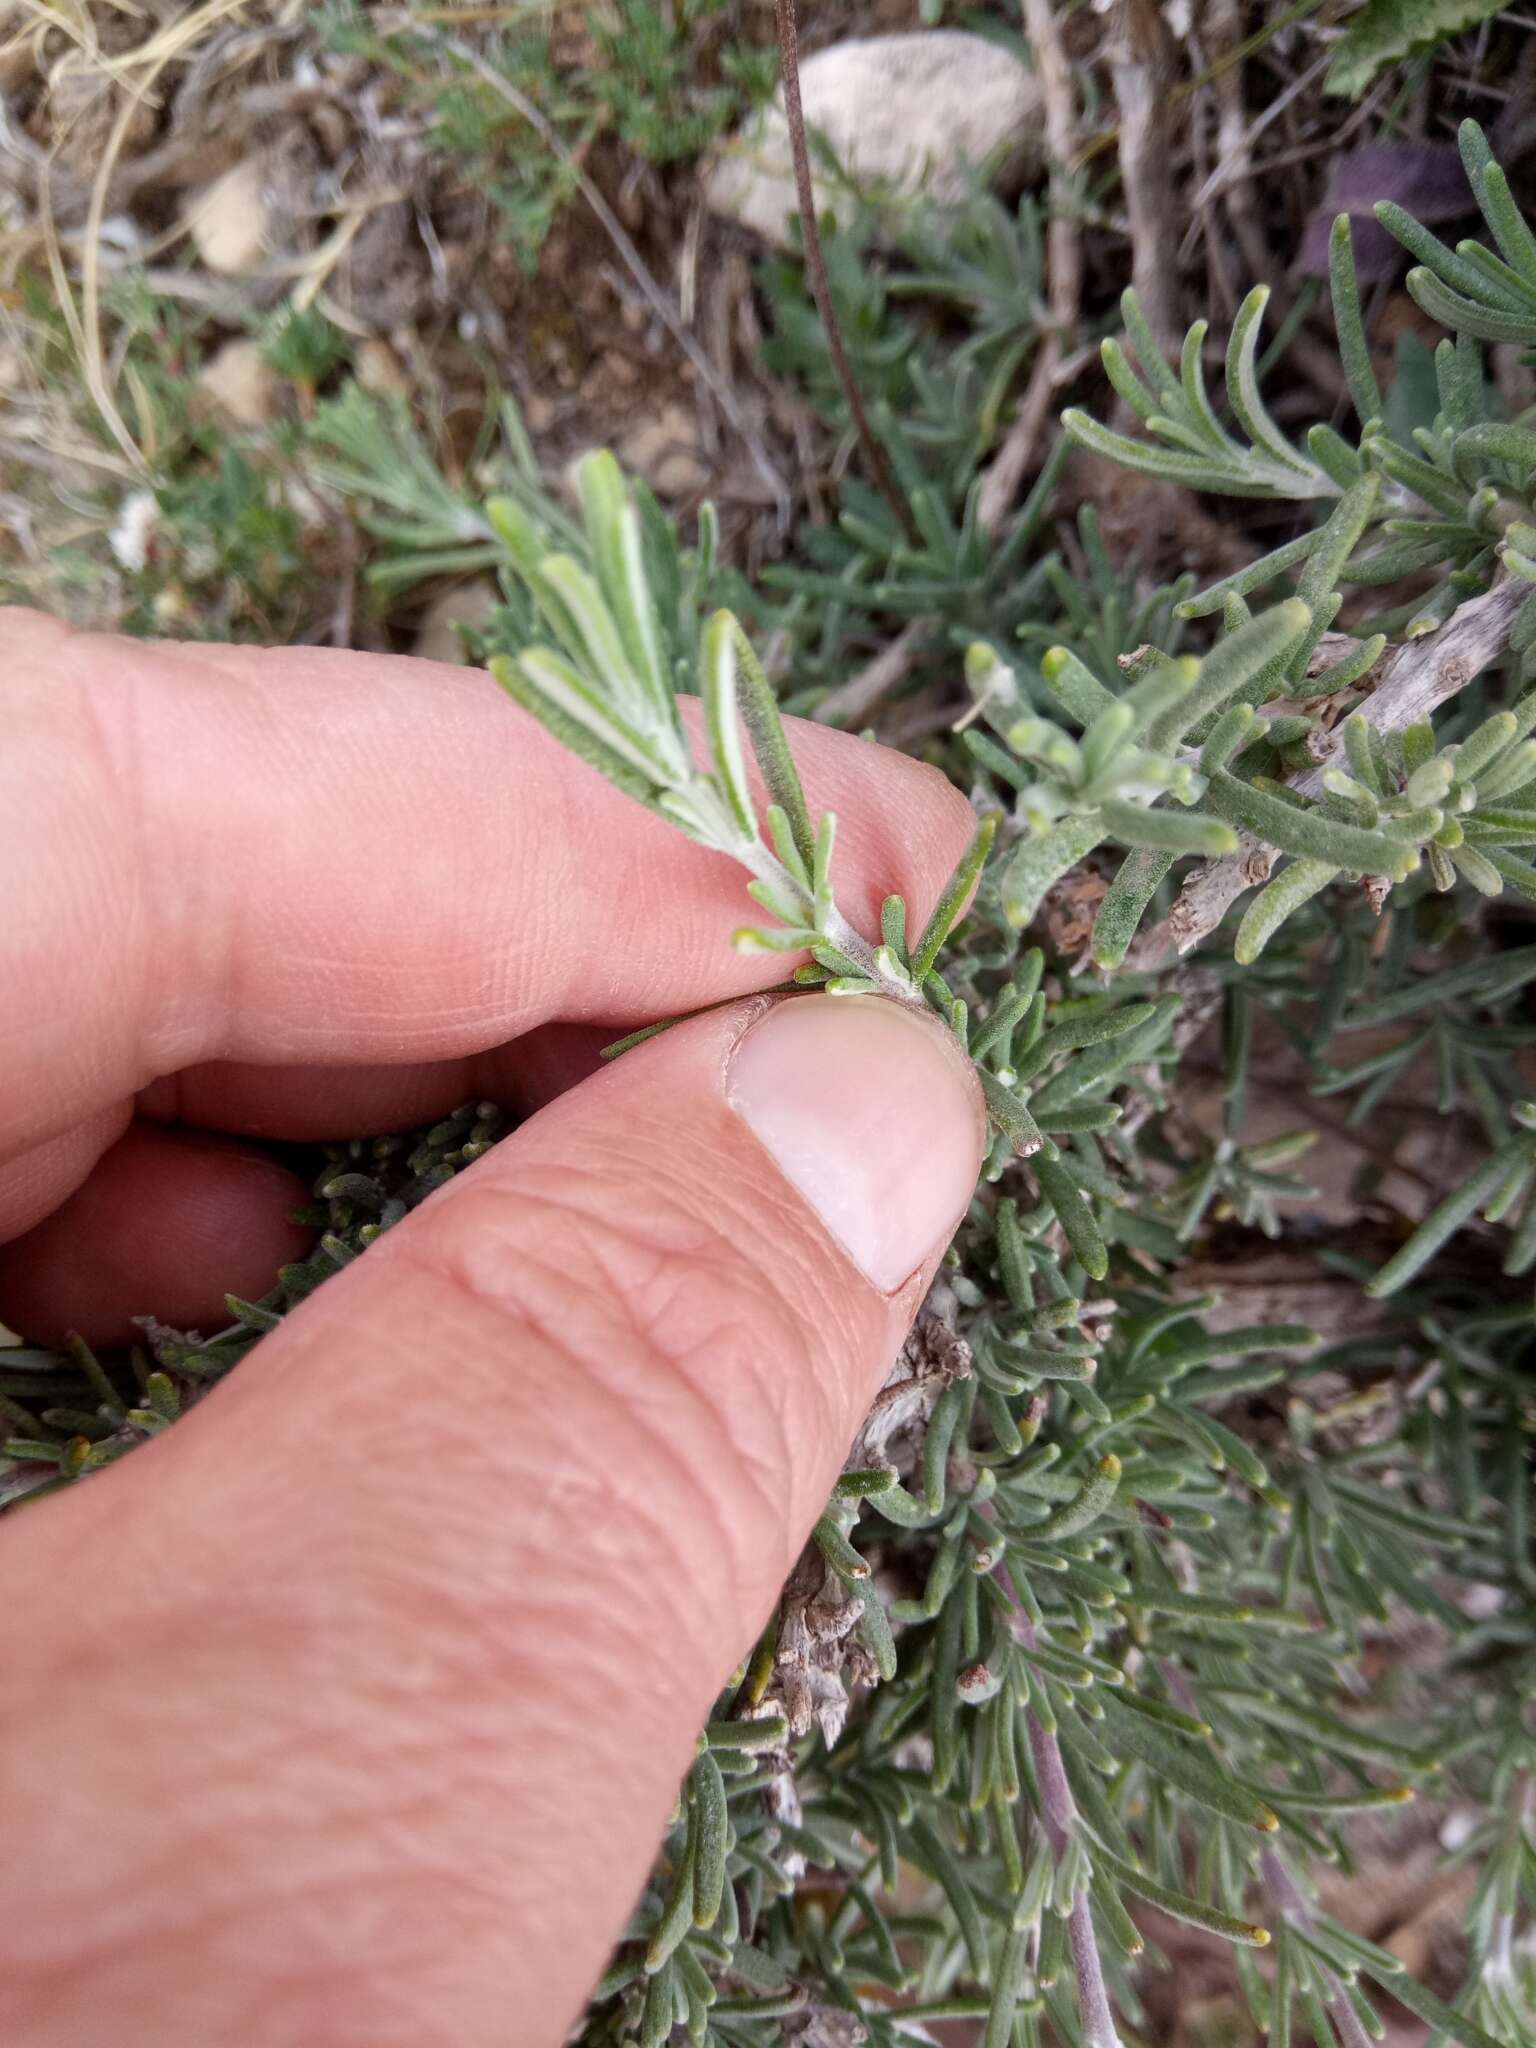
pixel 664 450
pixel 228 223
pixel 466 604
pixel 902 114
pixel 241 384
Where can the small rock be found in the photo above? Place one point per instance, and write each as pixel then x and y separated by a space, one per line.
pixel 902 114
pixel 380 370
pixel 241 384
pixel 133 533
pixel 229 222
pixel 665 452
pixel 467 604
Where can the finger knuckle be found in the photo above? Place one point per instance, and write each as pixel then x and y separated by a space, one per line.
pixel 702 1376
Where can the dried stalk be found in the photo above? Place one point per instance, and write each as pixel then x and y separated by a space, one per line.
pixel 851 702
pixel 1423 674
pixel 816 272
pixel 1234 143
pixel 1058 1816
pixel 1064 269
pixel 1287 1896
pixel 1141 55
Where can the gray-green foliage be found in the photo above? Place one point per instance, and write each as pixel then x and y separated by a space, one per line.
pixel 1119 1611
pixel 1456 505
pixel 1099 1610
pixel 1456 502
pixel 1112 1611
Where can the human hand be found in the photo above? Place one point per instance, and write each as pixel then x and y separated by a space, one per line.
pixel 350 1711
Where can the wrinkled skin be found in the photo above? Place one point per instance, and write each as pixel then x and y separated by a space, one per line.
pixel 350 1711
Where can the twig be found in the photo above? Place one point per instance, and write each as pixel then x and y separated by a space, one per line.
pixel 1064 268
pixel 1293 1908
pixel 1058 1816
pixel 1234 147
pixel 1423 674
pixel 656 297
pixel 816 272
pixel 851 702
pixel 1141 54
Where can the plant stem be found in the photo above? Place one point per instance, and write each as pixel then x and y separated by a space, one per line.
pixel 1093 2007
pixel 1058 1815
pixel 816 272
pixel 835 929
pixel 1423 674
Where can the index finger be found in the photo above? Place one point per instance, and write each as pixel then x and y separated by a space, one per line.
pixel 227 853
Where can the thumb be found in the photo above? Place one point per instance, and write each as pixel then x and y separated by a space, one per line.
pixel 429 1601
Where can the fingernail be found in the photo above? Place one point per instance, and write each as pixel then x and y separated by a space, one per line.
pixel 872 1112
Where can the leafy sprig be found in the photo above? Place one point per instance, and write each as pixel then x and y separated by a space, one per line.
pixel 607 693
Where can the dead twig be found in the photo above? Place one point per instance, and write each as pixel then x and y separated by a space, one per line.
pixel 1141 56
pixel 851 702
pixel 816 273
pixel 1422 675
pixel 1233 173
pixel 1064 269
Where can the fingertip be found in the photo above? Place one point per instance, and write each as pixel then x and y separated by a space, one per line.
pixel 166 1225
pixel 871 1110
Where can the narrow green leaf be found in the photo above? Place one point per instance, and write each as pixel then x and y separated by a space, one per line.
pixel 1243 386
pixel 1349 324
pixel 677 1914
pixel 1434 2011
pixel 1148 353
pixel 613 532
pixel 1039 861
pixel 718 673
pixel 1079 1226
pixel 1443 1222
pixel 838 1551
pixel 1308 833
pixel 1194 1772
pixel 556 696
pixel 765 729
pixel 952 903
pixel 1194 1912
pixel 713 1834
pixel 1242 582
pixel 1010 1115
pixel 1137 881
pixel 1290 889
pixel 1091 1501
pixel 1232 664
pixel 931 1854
pixel 1166 831
pixel 1007 1988
pixel 1467 314
pixel 1509 226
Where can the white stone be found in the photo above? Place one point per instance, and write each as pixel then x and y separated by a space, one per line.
pixel 243 387
pixel 229 222
pixel 380 371
pixel 901 114
pixel 467 604
pixel 133 531
pixel 664 449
